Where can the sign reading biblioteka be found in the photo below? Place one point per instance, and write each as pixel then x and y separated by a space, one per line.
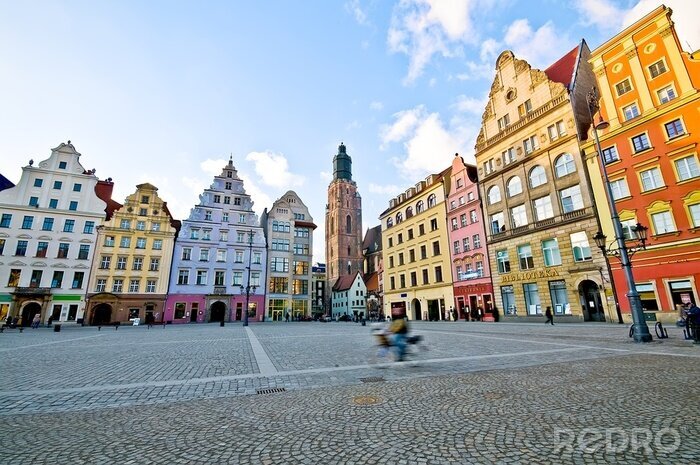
pixel 546 273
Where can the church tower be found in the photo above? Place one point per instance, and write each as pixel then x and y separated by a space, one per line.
pixel 343 222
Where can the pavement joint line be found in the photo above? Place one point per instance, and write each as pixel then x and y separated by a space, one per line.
pixel 121 344
pixel 5 349
pixel 276 374
pixel 265 365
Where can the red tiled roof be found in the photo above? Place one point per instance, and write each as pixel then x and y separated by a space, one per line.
pixel 563 69
pixel 305 224
pixel 343 283
pixel 103 189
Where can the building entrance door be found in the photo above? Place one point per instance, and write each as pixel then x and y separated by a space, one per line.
pixel 217 312
pixel 589 294
pixel 277 315
pixel 101 314
pixel 416 310
pixel 29 311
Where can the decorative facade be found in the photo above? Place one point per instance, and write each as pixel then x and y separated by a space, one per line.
pixel 538 202
pixel 373 271
pixel 48 227
pixel 131 266
pixel 471 271
pixel 649 90
pixel 318 294
pixel 417 278
pixel 349 297
pixel 219 252
pixel 343 221
pixel 289 230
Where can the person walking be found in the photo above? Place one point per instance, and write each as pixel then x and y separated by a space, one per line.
pixel 549 315
pixel 694 322
pixel 399 328
pixel 36 321
pixel 149 320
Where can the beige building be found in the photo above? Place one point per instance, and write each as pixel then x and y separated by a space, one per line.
pixel 417 277
pixel 537 198
pixel 131 266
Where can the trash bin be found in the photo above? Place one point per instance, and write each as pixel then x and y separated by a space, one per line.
pixel 221 323
pixel 56 328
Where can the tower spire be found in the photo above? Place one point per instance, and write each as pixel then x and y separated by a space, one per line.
pixel 342 164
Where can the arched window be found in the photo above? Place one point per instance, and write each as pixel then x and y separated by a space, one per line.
pixel 514 186
pixel 332 226
pixel 431 200
pixel 389 222
pixel 420 206
pixel 564 164
pixel 409 211
pixel 494 195
pixel 348 224
pixel 537 176
pixel 399 217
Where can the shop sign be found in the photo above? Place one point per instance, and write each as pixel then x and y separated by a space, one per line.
pixel 526 275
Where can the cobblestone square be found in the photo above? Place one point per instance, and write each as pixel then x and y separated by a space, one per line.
pixel 278 393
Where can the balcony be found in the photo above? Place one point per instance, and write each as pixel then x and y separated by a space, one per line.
pixel 32 291
pixel 569 217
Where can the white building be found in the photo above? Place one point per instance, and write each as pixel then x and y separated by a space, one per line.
pixel 289 229
pixel 349 296
pixel 47 238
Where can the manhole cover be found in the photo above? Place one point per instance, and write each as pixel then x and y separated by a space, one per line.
pixel 366 400
pixel 270 391
pixel 372 379
pixel 493 396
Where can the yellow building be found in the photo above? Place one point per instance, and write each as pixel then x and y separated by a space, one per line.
pixel 650 94
pixel 131 266
pixel 538 203
pixel 417 276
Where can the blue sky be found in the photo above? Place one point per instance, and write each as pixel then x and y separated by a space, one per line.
pixel 164 92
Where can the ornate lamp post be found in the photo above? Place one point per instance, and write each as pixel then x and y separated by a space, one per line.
pixel 641 330
pixel 247 289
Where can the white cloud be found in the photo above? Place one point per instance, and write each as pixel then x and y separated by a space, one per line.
pixel 212 166
pixel 355 8
pixel 424 28
pixel 273 170
pixel 471 105
pixel 325 176
pixel 353 125
pixel 376 106
pixel 432 82
pixel 260 198
pixel 600 13
pixel 540 47
pixel 389 189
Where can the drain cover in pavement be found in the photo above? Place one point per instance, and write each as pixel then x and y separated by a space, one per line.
pixel 270 391
pixel 372 379
pixel 366 400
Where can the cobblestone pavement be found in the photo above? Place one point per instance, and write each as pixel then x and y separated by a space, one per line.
pixel 500 393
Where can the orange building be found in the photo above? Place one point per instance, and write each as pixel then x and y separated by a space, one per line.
pixel 649 94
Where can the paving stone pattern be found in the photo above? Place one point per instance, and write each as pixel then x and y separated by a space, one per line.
pixel 481 393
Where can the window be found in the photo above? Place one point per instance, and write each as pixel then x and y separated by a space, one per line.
pixel 125 224
pixel 138 264
pixel 473 217
pixel 514 186
pixel 402 281
pixel 13 280
pixel 239 256
pixel 420 206
pixel 392 283
pixel 2 246
pixel 6 220
pixel 33 201
pixel 580 246
pixel 525 257
pixel 100 285
pixel 151 285
pixel 657 68
pixel 470 197
pixel 530 144
pixel 423 252
pixel 125 242
pixel 694 211
pixel 518 216
pixel 219 278
pixel 610 154
pixel 503 261
pixel 27 222
pixel 619 188
pixel 203 255
pixel 560 298
pixel 201 277
pixel 140 225
pixel 83 252
pixel 206 235
pixel 410 234
pixel 543 208
pixel 436 248
pixel 571 199
pixel 459 183
pixel 532 299
pixel 38 182
pixel 62 165
pixel 623 87
pixel 476 240
pixel 78 277
pixel 640 143
pixel 105 262
pixel 63 250
pixel 674 128
pixel 41 249
pixel 494 195
pixel 186 253
pixel 453 204
pixel 414 279
pixel 140 242
pixel 57 185
pixel 121 263
pixel 154 264
pixel 109 241
pixel 35 280
pixel 53 203
pixel 431 200
pixel 455 246
pixel 508 297
pixel 77 187
pixel 630 111
pixel 89 227
pixel 508 156
pixel 628 229
pixel 666 94
pixel 538 176
pixel 278 285
pixel 651 179
pixel 48 224
pixel 134 285
pixel 207 215
pixel 220 255
pixel 143 211
pixel 183 277
pixel 463 219
pixel 465 244
pixel 438 274
pixel 399 217
pixel 455 224
pixel 68 226
pixel 434 224
pixel 663 222
pixel 525 108
pixel 194 233
pixel 224 217
pixel 73 205
pixel 564 164
pixel 497 223
pixel 503 122
pixel 411 255
pixel 21 249
pixel 389 222
pixel 550 252
pixel 488 166
pixel 279 264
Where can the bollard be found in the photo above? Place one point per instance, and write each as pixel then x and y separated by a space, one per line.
pixel 56 328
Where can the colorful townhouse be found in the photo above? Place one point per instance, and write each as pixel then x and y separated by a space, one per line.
pixel 538 201
pixel 417 280
pixel 131 265
pixel 649 94
pixel 471 271
pixel 48 236
pixel 288 228
pixel 318 293
pixel 349 297
pixel 373 271
pixel 219 256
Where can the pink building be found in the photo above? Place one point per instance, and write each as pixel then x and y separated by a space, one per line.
pixel 471 275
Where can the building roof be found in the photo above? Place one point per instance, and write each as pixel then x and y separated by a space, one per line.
pixel 372 242
pixel 343 283
pixel 5 183
pixel 104 189
pixel 563 69
pixel 371 281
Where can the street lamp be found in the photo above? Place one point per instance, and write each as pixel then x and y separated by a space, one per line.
pixel 247 289
pixel 640 328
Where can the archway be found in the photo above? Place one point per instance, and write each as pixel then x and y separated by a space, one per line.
pixel 217 312
pixel 416 309
pixel 101 314
pixel 29 311
pixel 589 294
